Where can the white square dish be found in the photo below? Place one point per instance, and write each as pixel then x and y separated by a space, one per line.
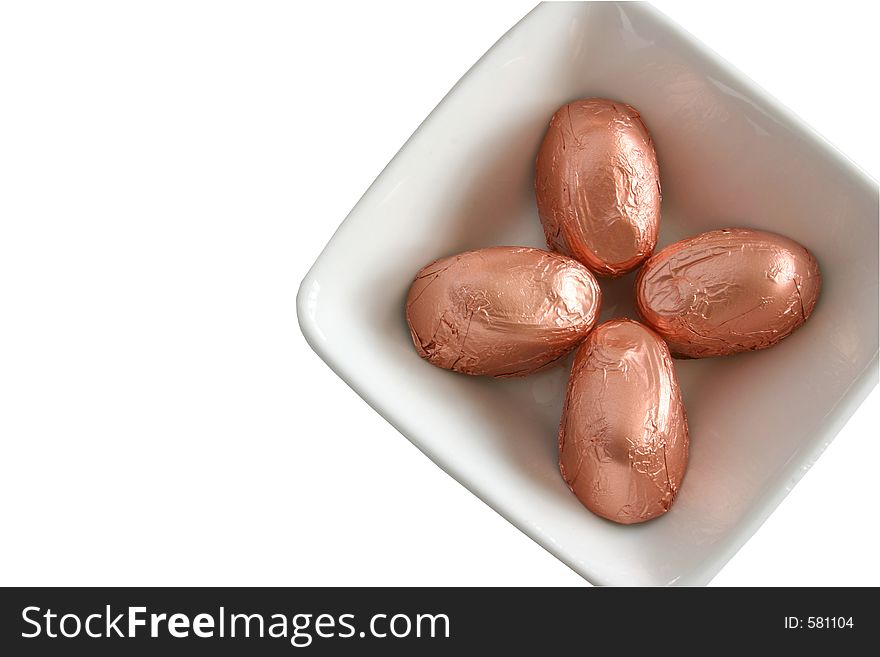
pixel 729 156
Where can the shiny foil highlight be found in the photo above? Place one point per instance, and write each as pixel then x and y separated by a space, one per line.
pixel 598 186
pixel 727 291
pixel 501 311
pixel 623 440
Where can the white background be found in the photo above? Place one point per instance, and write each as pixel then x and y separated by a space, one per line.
pixel 168 173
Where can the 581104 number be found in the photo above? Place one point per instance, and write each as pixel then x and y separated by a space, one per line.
pixel 828 622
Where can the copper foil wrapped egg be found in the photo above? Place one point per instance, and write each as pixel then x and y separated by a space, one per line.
pixel 501 311
pixel 598 186
pixel 727 291
pixel 623 440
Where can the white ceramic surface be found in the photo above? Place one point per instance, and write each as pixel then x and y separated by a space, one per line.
pixel 729 155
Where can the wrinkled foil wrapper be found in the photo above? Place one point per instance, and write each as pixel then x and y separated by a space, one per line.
pixel 623 440
pixel 598 186
pixel 727 291
pixel 501 311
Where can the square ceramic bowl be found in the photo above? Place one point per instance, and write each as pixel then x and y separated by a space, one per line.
pixel 729 155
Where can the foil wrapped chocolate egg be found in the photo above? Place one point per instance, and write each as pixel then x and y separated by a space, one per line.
pixel 623 440
pixel 598 186
pixel 501 311
pixel 727 291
